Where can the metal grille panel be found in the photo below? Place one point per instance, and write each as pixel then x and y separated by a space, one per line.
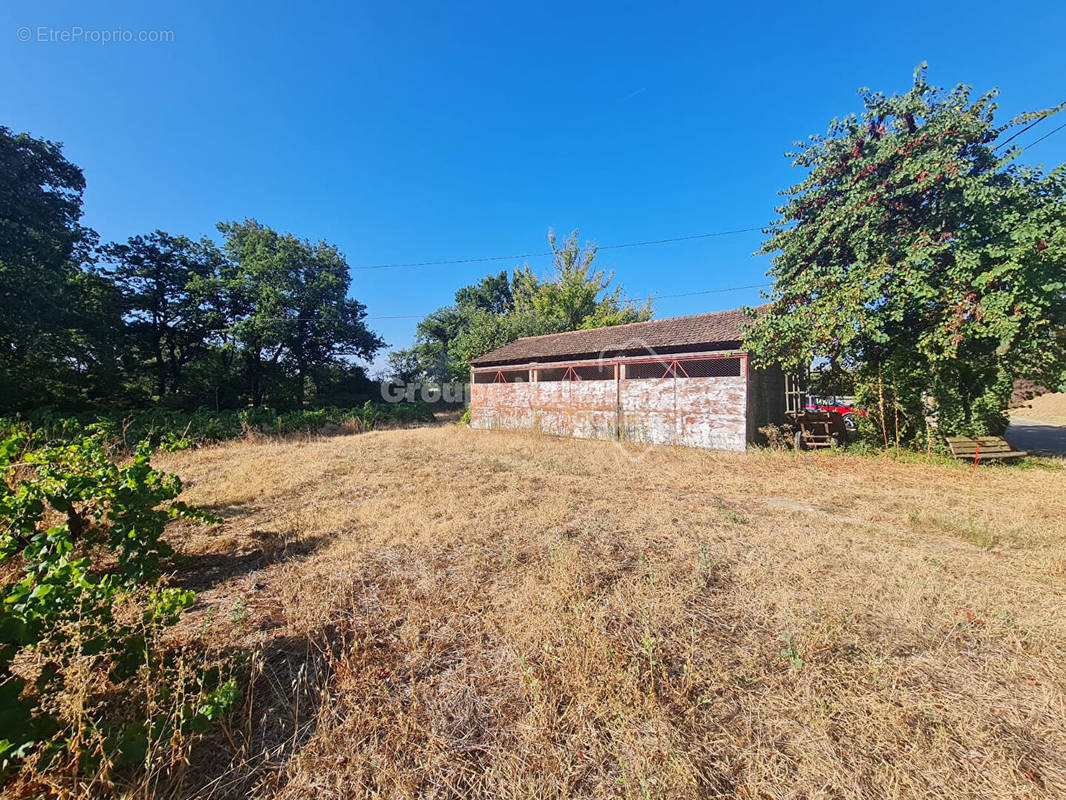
pixel 710 368
pixel 502 376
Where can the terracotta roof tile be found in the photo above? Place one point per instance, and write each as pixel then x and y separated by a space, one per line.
pixel 717 330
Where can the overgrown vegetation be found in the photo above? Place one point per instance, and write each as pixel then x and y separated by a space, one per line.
pixel 87 688
pixel 179 430
pixel 919 256
pixel 501 308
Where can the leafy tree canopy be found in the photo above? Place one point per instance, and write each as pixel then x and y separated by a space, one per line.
pixel 289 305
pixel 501 308
pixel 56 314
pixel 162 279
pixel 917 252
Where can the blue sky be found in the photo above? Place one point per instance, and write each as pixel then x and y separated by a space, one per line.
pixel 427 131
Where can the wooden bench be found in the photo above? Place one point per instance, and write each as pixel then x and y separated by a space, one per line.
pixel 982 447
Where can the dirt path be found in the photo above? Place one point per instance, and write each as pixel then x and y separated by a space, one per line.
pixel 1037 437
pixel 1040 427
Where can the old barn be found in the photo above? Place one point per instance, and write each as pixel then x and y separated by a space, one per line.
pixel 683 380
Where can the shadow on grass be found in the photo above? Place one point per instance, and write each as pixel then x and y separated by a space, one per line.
pixel 202 572
pixel 282 686
pixel 228 511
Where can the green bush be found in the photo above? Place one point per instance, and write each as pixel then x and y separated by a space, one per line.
pixel 172 430
pixel 84 682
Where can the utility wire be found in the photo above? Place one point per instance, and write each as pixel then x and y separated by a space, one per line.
pixel 1031 125
pixel 1046 135
pixel 651 242
pixel 1016 134
pixel 632 299
pixel 549 253
pixel 646 243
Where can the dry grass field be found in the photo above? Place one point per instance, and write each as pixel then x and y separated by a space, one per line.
pixel 448 613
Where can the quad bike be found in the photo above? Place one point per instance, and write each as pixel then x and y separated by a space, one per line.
pixel 841 406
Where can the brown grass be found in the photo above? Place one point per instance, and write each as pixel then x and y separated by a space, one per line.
pixel 452 613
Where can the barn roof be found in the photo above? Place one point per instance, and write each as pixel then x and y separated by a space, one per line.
pixel 714 331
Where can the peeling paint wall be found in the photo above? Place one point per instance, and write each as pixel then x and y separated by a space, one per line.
pixel 697 412
pixel 585 409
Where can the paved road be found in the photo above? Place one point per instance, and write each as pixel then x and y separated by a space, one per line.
pixel 1037 437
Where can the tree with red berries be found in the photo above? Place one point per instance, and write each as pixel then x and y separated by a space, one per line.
pixel 918 254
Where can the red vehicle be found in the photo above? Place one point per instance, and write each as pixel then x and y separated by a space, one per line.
pixel 837 405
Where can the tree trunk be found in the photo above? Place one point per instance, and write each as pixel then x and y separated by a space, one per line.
pixel 160 368
pixel 255 377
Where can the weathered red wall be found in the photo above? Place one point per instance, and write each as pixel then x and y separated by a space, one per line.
pixel 697 412
pixel 585 409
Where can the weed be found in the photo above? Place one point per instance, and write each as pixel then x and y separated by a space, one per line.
pixel 980 534
pixel 649 643
pixel 239 614
pixel 790 652
pixel 704 558
pixel 736 517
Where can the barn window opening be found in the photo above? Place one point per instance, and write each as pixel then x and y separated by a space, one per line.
pixel 594 372
pixel 502 376
pixel 711 368
pixel 649 369
pixel 591 372
pixel 691 368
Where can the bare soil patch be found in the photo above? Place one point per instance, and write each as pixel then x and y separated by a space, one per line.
pixel 1049 409
pixel 449 613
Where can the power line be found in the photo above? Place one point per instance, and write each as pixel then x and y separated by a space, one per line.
pixel 632 299
pixel 1030 126
pixel 1042 138
pixel 1014 136
pixel 705 291
pixel 648 242
pixel 549 253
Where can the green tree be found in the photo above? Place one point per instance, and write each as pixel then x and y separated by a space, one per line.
pixel 162 278
pixel 918 254
pixel 288 307
pixel 484 332
pixel 501 308
pixel 492 294
pixel 404 366
pixel 577 295
pixel 480 303
pixel 55 313
pixel 328 326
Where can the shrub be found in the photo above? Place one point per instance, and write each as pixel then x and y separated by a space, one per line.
pixel 778 437
pixel 84 682
pixel 171 430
